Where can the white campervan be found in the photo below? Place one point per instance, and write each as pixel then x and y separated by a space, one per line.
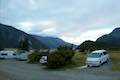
pixel 7 54
pixel 22 55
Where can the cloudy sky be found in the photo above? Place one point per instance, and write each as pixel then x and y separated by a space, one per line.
pixel 72 20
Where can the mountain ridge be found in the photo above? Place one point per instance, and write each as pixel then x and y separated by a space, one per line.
pixel 112 38
pixel 52 42
pixel 10 38
pixel 109 41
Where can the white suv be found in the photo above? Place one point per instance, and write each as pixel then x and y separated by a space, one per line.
pixel 96 58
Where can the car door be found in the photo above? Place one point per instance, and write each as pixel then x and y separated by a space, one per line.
pixel 105 56
pixel 102 57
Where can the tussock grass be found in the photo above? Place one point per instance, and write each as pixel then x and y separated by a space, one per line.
pixel 79 58
pixel 115 57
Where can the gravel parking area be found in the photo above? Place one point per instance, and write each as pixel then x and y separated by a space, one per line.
pixel 21 70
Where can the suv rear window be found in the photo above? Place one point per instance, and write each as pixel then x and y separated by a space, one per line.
pixel 104 53
pixel 94 55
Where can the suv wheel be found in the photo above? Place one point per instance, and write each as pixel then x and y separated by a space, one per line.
pixel 99 64
pixel 107 60
pixel 88 65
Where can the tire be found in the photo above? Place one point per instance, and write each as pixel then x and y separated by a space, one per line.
pixel 107 61
pixel 99 64
pixel 88 65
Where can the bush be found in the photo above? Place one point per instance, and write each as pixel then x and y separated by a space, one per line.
pixel 60 58
pixel 34 57
pixel 55 61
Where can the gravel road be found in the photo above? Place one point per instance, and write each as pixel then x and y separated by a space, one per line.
pixel 21 70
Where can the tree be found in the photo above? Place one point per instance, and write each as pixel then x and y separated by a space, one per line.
pixel 87 46
pixel 24 43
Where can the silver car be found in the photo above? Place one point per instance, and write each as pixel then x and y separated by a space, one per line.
pixel 96 58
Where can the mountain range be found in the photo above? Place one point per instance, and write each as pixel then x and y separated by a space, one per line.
pixel 112 39
pixel 51 42
pixel 10 37
pixel 107 41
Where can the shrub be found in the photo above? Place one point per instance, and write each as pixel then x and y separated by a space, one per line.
pixel 60 58
pixel 55 61
pixel 34 57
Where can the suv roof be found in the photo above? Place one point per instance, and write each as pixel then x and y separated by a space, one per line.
pixel 99 51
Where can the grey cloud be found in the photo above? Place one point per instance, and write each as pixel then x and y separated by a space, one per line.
pixel 71 16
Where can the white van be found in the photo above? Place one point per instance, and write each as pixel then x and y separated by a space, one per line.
pixel 7 54
pixel 96 58
pixel 22 55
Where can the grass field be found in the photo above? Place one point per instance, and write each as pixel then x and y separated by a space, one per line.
pixel 80 57
pixel 115 57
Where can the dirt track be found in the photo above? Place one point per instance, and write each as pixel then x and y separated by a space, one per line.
pixel 21 70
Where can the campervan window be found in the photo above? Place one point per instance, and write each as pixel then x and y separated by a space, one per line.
pixel 3 54
pixel 22 51
pixel 14 54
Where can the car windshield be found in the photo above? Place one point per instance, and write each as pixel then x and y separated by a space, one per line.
pixel 94 55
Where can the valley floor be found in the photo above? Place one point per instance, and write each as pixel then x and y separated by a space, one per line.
pixel 21 70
